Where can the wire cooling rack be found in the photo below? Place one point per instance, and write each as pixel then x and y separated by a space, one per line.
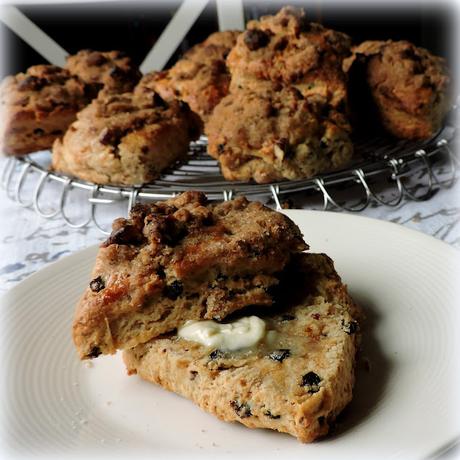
pixel 378 158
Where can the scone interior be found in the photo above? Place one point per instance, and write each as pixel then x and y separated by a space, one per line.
pixel 177 260
pixel 296 380
pixel 126 139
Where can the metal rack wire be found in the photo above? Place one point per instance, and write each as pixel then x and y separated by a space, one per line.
pixel 377 158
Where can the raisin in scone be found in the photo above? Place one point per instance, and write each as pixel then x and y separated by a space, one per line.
pixel 127 140
pixel 295 380
pixel 177 260
pixel 200 77
pixel 287 49
pixel 409 86
pixel 36 108
pixel 275 134
pixel 112 71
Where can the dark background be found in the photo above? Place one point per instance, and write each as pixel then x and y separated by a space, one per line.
pixel 135 26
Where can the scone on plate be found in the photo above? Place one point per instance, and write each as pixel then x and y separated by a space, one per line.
pixel 37 106
pixel 286 48
pixel 271 134
pixel 125 140
pixel 295 378
pixel 112 71
pixel 409 86
pixel 200 77
pixel 177 260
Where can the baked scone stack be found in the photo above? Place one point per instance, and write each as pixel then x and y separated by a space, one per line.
pixel 131 133
pixel 277 102
pixel 38 106
pixel 286 114
pixel 218 303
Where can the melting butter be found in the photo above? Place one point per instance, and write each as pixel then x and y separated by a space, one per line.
pixel 242 333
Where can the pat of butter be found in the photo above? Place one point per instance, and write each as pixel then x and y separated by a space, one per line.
pixel 242 333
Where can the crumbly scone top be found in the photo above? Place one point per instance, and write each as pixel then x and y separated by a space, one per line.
pixel 200 77
pixel 43 88
pixel 114 116
pixel 191 237
pixel 286 48
pixel 112 70
pixel 216 46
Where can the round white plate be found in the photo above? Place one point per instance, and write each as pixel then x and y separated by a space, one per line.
pixel 405 406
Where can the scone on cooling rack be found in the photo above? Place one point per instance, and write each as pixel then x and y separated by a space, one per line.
pixel 273 134
pixel 200 77
pixel 285 115
pixel 177 260
pixel 288 49
pixel 112 71
pixel 122 139
pixel 409 86
pixel 296 373
pixel 36 107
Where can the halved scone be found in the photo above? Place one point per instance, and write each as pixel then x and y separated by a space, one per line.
pixel 296 379
pixel 177 260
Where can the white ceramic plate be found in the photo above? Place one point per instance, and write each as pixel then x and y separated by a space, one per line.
pixel 405 407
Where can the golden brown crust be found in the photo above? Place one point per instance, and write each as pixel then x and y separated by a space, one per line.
pixel 409 86
pixel 124 139
pixel 297 382
pixel 275 133
pixel 36 108
pixel 177 260
pixel 112 71
pixel 287 49
pixel 200 78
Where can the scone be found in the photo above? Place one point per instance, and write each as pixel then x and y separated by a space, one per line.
pixel 112 71
pixel 177 260
pixel 295 380
pixel 200 77
pixel 125 140
pixel 409 86
pixel 287 49
pixel 274 134
pixel 36 108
